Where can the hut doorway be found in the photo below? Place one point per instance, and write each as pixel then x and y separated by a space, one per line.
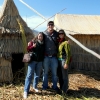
pixel 17 66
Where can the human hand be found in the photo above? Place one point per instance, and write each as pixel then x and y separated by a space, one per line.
pixel 29 43
pixel 34 44
pixel 68 42
pixel 65 66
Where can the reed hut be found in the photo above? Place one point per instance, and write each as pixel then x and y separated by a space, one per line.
pixel 11 45
pixel 85 29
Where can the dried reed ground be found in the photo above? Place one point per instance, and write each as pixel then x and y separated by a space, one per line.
pixel 82 86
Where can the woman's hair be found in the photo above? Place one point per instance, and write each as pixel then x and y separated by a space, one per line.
pixel 62 31
pixel 36 37
pixel 65 37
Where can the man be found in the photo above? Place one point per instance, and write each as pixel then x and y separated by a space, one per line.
pixel 50 60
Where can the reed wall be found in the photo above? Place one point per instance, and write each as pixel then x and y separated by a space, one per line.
pixel 82 60
pixel 5 71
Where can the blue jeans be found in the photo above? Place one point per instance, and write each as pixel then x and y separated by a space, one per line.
pixel 52 64
pixel 33 68
pixel 62 75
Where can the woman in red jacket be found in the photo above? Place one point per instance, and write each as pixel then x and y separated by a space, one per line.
pixel 35 65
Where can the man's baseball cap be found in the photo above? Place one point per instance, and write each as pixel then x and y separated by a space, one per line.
pixel 50 22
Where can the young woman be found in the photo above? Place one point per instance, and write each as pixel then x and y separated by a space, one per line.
pixel 35 65
pixel 63 61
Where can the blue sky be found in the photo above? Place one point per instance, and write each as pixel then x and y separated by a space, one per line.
pixel 49 7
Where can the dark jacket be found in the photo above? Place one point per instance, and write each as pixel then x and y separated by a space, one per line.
pixel 50 43
pixel 38 52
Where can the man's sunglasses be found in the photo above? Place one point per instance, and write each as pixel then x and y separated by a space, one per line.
pixel 50 24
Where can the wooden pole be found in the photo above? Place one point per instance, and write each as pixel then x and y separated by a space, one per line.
pixel 32 9
pixel 73 39
pixel 39 13
pixel 82 46
pixel 49 18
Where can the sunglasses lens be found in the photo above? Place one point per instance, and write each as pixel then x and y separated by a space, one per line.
pixel 51 25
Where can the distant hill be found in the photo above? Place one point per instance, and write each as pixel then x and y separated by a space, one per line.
pixel 35 32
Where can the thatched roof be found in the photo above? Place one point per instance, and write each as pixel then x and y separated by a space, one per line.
pixel 78 24
pixel 10 32
pixel 8 19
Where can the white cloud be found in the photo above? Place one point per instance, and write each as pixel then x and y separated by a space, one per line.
pixel 34 21
pixel 0 8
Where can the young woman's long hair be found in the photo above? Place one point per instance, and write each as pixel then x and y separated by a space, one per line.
pixel 35 39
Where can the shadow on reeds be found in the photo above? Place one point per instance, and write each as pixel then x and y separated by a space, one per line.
pixel 95 75
pixel 86 92
pixel 80 94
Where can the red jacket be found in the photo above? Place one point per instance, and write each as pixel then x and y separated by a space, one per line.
pixel 30 46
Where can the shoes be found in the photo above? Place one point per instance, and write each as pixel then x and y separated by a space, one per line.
pixel 36 90
pixel 58 91
pixel 44 88
pixel 25 95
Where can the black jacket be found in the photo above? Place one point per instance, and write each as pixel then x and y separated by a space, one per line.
pixel 38 52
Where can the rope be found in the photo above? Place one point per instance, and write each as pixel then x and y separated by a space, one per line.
pixel 23 36
pixel 24 42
